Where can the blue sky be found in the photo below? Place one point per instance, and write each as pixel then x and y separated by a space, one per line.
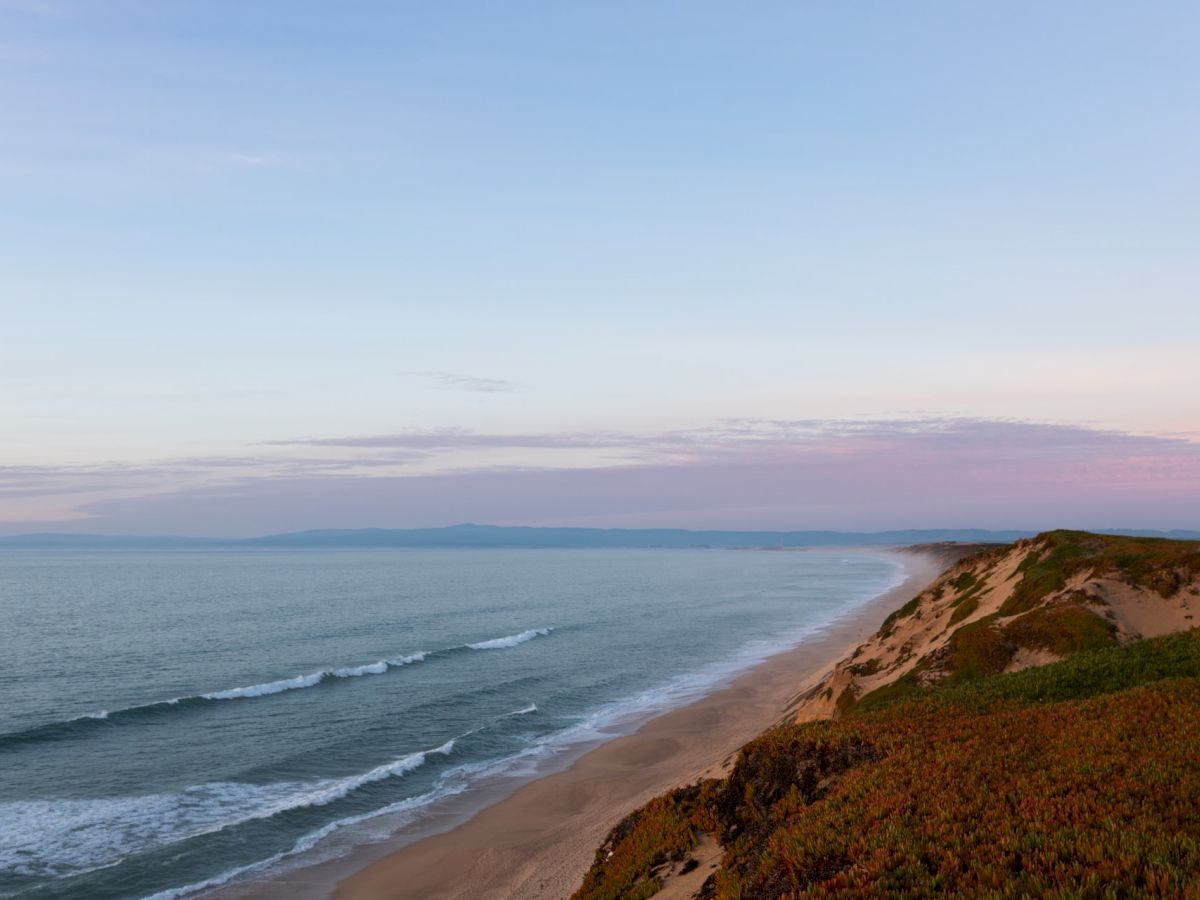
pixel 233 231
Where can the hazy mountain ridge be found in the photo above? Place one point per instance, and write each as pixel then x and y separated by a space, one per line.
pixel 471 535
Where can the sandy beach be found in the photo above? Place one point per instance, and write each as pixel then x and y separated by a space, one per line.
pixel 539 840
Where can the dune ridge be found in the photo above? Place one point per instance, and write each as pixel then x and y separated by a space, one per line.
pixel 1008 608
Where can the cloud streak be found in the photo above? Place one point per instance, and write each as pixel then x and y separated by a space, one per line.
pixel 457 381
pixel 462 438
pixel 858 474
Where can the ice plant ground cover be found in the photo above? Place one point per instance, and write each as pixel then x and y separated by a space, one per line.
pixel 1080 778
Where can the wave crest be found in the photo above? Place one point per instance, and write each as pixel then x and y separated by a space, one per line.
pixel 69 728
pixel 511 640
pixel 41 838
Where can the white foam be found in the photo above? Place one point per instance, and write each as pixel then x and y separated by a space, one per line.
pixel 309 680
pixel 307 842
pixel 375 668
pixel 261 690
pixel 408 660
pixel 66 837
pixel 41 838
pixel 511 640
pixel 326 792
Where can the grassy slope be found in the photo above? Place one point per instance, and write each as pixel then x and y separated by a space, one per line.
pixel 1080 778
pixel 1025 621
pixel 1153 563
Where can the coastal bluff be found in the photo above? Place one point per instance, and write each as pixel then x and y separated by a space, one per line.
pixel 1024 726
pixel 1008 608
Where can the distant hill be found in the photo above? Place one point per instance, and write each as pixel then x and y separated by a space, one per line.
pixel 519 536
pixel 469 535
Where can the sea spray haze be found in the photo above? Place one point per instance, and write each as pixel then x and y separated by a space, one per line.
pixel 172 719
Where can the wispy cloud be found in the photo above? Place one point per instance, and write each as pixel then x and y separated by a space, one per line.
pixel 457 381
pixel 462 438
pixel 918 471
pixel 94 482
pixel 736 436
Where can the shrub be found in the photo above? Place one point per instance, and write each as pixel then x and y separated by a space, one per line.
pixel 1063 630
pixel 977 650
pixel 964 610
pixel 889 624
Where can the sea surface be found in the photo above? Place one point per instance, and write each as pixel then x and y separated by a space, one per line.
pixel 170 721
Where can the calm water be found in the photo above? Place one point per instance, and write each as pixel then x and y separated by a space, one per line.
pixel 170 719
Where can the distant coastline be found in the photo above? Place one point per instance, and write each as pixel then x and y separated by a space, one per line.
pixel 516 536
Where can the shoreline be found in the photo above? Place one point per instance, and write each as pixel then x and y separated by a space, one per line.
pixel 538 839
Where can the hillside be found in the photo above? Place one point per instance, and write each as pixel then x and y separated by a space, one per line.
pixel 952 753
pixel 1009 608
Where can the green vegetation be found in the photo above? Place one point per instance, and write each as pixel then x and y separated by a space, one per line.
pixel 1073 779
pixel 846 700
pixel 976 651
pixel 964 610
pixel 985 648
pixel 889 624
pixel 865 669
pixel 1155 563
pixel 972 594
pixel 965 582
pixel 1089 674
pixel 1063 630
pixel 905 686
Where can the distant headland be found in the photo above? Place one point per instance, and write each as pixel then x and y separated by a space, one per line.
pixel 502 536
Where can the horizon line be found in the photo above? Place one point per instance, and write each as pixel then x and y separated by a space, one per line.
pixel 1011 533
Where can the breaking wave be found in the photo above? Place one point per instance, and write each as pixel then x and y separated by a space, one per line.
pixel 71 837
pixel 306 681
pixel 70 728
pixel 511 640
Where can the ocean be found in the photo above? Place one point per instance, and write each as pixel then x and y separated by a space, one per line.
pixel 172 720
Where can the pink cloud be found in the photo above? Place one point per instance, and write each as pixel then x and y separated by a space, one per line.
pixel 752 474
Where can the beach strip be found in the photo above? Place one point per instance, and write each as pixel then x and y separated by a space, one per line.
pixel 539 840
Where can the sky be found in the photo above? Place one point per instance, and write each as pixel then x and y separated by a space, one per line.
pixel 267 266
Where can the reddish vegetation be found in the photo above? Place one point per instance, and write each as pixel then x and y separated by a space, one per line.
pixel 1080 796
pixel 1080 778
